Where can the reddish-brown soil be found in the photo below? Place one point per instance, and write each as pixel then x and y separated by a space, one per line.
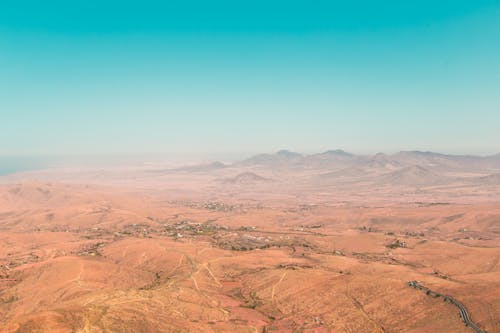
pixel 192 253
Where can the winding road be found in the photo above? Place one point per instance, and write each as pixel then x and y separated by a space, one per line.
pixel 464 314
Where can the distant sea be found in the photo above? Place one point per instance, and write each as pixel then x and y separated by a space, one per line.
pixel 14 164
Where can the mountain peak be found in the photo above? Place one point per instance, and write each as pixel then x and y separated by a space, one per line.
pixel 287 153
pixel 337 152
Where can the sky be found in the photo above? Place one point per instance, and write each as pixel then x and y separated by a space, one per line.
pixel 238 77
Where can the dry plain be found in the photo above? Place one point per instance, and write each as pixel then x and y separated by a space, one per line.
pixel 276 243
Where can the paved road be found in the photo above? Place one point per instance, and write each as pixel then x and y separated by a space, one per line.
pixel 464 314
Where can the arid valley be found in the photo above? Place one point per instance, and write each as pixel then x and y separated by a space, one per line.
pixel 278 242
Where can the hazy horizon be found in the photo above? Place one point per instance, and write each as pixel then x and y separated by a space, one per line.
pixel 10 164
pixel 236 155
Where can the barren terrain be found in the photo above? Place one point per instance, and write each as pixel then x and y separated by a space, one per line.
pixel 275 243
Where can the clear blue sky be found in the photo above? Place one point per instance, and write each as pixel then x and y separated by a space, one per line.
pixel 249 76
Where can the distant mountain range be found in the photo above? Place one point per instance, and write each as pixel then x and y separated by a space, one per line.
pixel 338 167
pixel 329 170
pixel 341 158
